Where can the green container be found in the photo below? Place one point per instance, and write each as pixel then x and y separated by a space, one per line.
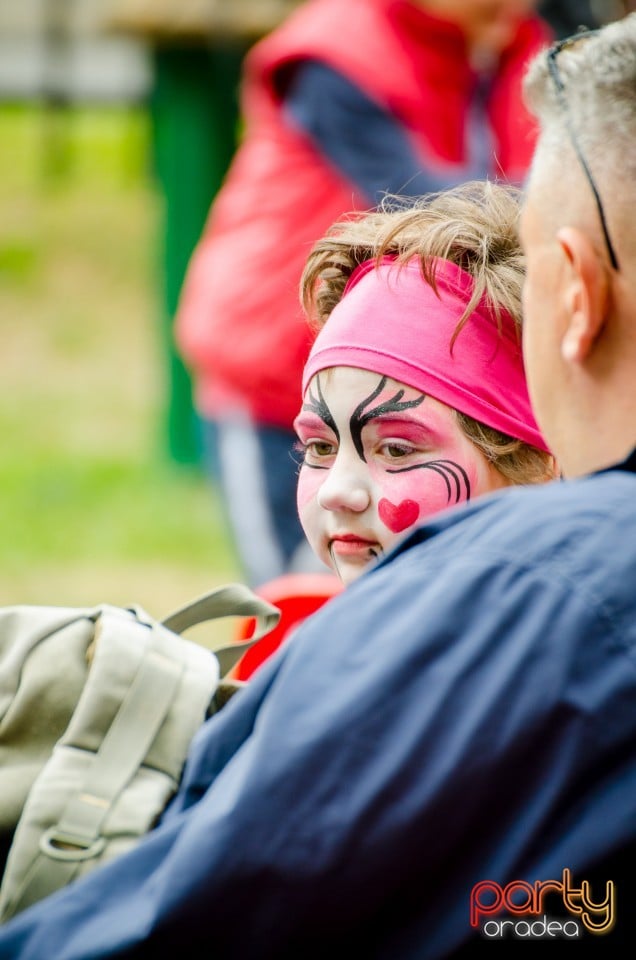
pixel 195 117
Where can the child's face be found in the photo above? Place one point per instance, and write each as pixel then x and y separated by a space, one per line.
pixel 379 457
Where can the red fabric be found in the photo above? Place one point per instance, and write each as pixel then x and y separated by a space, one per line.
pixel 239 326
pixel 297 595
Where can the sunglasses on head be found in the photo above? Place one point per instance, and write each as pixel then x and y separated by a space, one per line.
pixel 559 86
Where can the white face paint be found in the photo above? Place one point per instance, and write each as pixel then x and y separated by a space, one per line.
pixel 379 457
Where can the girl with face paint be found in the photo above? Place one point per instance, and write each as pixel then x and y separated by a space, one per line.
pixel 414 396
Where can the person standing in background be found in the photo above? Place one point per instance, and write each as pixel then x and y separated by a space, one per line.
pixel 341 107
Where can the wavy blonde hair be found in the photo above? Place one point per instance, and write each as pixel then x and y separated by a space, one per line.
pixel 473 226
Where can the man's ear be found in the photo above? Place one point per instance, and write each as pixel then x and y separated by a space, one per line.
pixel 585 294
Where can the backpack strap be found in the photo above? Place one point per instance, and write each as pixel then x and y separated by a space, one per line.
pixel 232 600
pixel 143 710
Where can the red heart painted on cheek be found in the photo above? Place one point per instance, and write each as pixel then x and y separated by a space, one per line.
pixel 398 517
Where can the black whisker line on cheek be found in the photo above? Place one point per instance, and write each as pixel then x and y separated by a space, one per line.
pixel 441 465
pixel 451 466
pixel 446 469
pixel 440 471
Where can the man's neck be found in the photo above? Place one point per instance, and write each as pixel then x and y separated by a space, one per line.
pixel 602 457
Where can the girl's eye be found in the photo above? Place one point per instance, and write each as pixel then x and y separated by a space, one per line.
pixel 395 451
pixel 319 448
pixel 312 450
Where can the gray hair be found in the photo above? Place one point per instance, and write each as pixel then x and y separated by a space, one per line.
pixel 599 77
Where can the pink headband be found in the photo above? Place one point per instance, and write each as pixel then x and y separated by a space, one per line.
pixel 391 321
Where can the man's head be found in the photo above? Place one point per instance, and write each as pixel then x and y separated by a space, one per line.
pixel 579 234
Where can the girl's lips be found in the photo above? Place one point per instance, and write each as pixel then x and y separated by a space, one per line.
pixel 348 545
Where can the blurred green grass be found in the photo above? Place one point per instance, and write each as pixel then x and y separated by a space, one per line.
pixel 91 507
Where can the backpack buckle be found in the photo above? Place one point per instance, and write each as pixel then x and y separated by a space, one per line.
pixel 58 845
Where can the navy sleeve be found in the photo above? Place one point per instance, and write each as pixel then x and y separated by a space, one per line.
pixel 365 142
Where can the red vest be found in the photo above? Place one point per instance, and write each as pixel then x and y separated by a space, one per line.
pixel 240 326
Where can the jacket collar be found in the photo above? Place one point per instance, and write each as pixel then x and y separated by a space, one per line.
pixel 628 465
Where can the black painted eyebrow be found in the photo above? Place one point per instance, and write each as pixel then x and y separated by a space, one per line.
pixel 359 418
pixel 321 409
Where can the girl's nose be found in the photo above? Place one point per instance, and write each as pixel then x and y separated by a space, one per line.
pixel 346 487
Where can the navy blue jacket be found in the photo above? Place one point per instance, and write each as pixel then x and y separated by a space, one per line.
pixel 465 711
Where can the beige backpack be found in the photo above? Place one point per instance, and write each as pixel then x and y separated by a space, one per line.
pixel 97 711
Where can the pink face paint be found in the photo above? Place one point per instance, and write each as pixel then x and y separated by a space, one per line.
pixel 309 483
pixel 398 516
pixel 308 427
pixel 390 459
pixel 417 433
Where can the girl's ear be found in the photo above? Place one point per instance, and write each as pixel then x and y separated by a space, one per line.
pixel 585 295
